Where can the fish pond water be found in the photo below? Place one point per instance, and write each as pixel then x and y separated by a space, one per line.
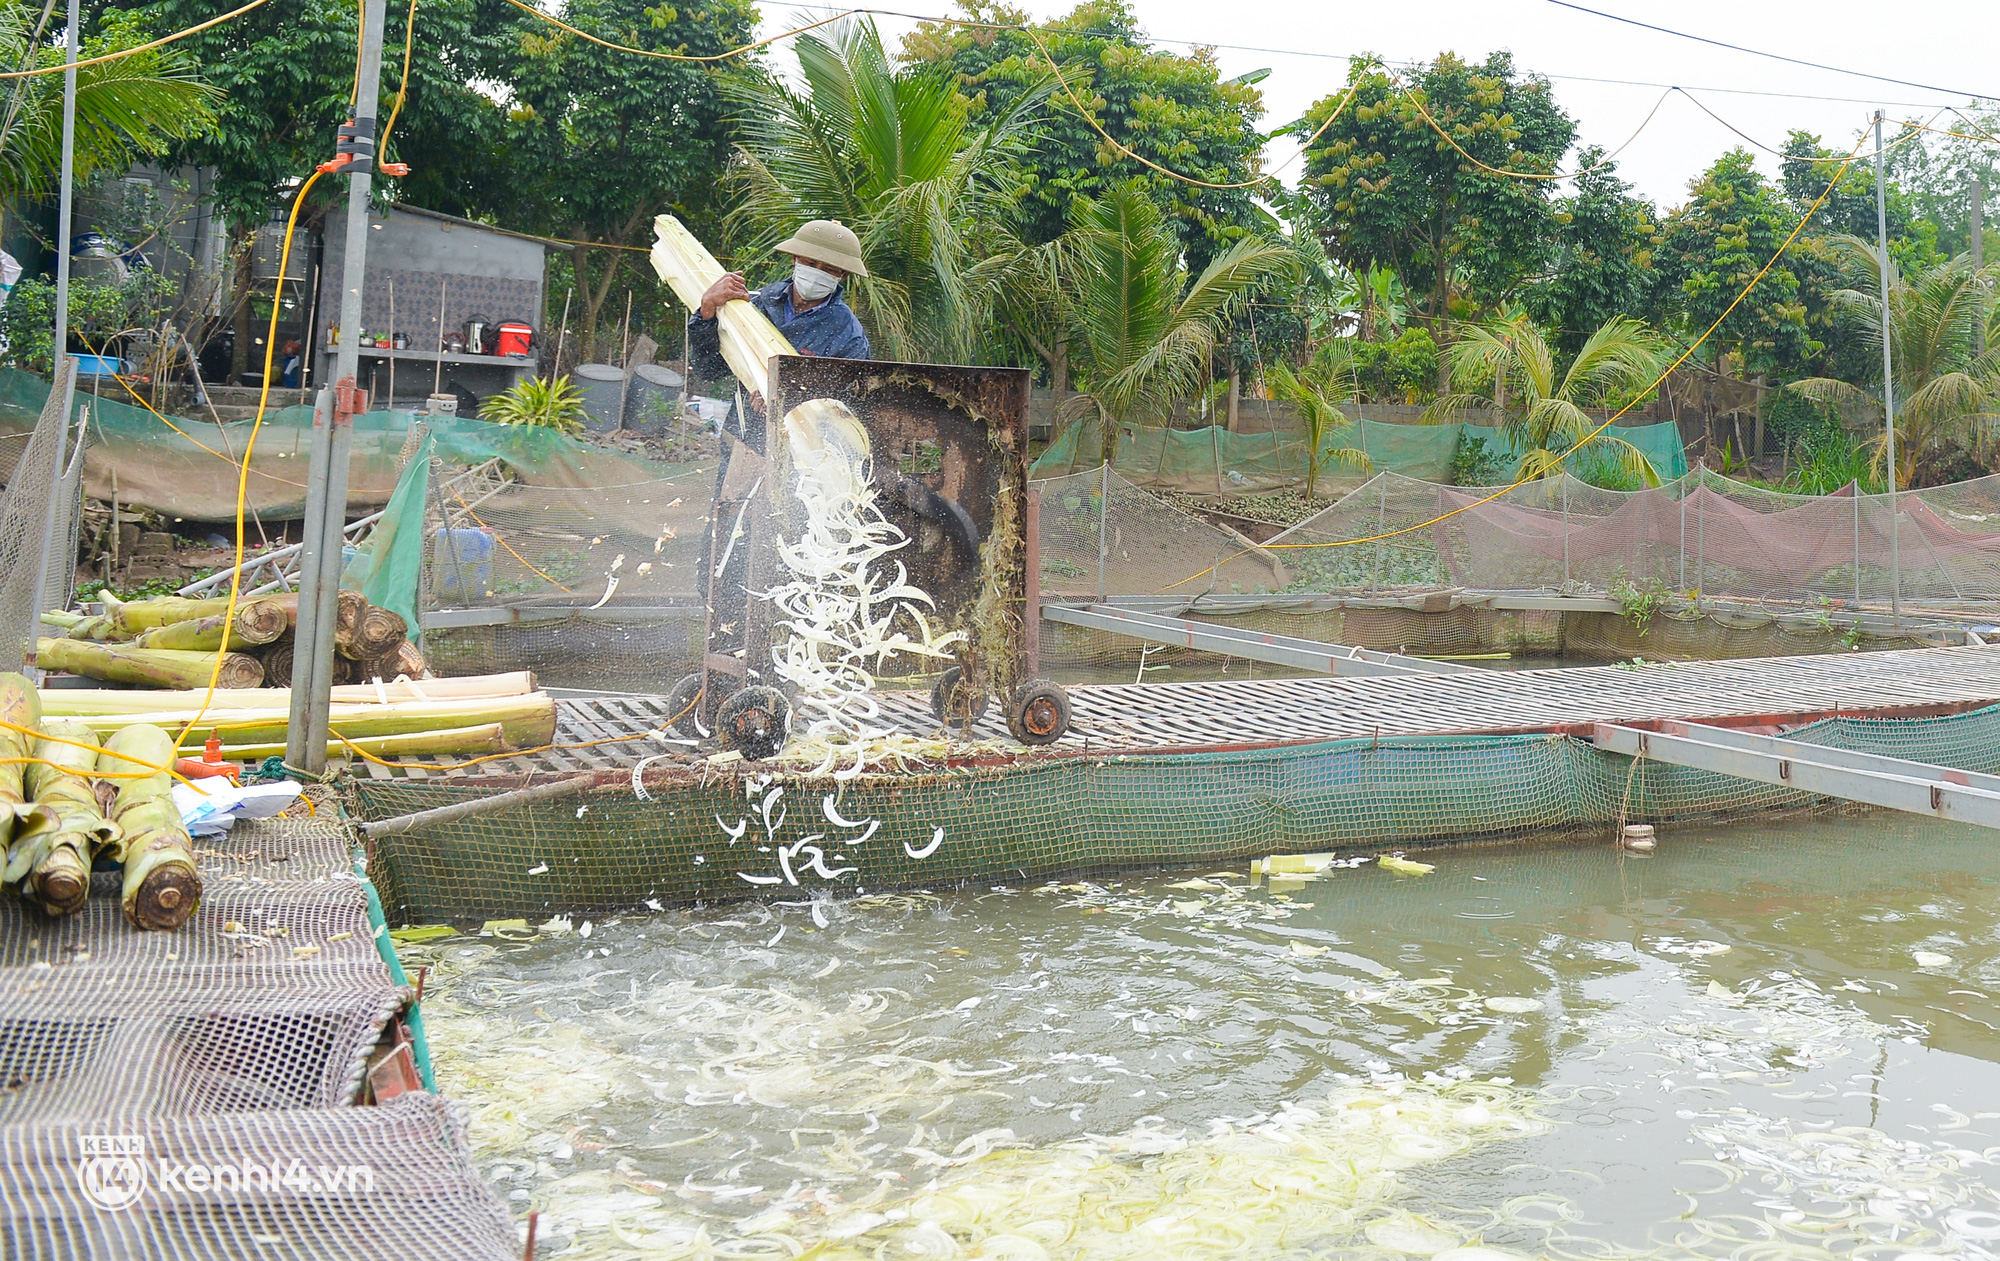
pixel 1763 1042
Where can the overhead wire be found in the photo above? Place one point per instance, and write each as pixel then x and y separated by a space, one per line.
pixel 1758 52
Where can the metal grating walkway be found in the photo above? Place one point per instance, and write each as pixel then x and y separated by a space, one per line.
pixel 1169 717
pixel 239 1040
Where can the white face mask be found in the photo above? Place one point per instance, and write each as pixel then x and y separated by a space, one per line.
pixel 811 283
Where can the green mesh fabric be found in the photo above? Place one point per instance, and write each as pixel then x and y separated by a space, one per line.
pixel 1043 817
pixel 389 564
pixel 192 473
pixel 1212 460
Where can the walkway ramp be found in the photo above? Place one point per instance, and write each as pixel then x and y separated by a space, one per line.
pixel 235 1044
pixel 1938 792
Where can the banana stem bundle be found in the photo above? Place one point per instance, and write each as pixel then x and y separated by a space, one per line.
pixel 162 886
pixel 58 869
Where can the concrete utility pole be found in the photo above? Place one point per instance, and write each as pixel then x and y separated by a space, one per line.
pixel 68 193
pixel 334 409
pixel 1978 254
pixel 1888 383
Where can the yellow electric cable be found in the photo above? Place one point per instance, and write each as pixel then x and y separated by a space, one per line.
pixel 1113 141
pixel 532 11
pixel 1587 438
pixel 128 52
pixel 403 89
pixel 1416 99
pixel 243 475
pixel 151 768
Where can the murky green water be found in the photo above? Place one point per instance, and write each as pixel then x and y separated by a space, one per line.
pixel 1744 1046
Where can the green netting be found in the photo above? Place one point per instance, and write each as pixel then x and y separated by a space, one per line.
pixel 1212 460
pixel 191 472
pixel 1044 817
pixel 388 566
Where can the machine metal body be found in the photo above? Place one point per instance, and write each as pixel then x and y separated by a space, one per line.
pixel 949 469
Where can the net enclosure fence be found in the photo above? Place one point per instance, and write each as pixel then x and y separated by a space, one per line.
pixel 1701 533
pixel 1102 535
pixel 692 833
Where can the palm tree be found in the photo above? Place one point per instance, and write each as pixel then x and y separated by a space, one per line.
pixel 1946 388
pixel 125 109
pixel 1317 391
pixel 887 152
pixel 1507 364
pixel 1144 332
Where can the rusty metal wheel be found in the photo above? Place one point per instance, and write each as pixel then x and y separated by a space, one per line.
pixel 755 722
pixel 956 702
pixel 692 720
pixel 1039 713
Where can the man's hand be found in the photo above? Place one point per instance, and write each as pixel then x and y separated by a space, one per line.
pixel 728 288
pixel 756 401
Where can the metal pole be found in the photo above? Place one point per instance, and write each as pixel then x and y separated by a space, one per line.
pixel 1682 583
pixel 61 348
pixel 1103 515
pixel 333 437
pixel 1888 384
pixel 1700 537
pixel 1857 545
pixel 1978 255
pixel 1381 528
pixel 1565 486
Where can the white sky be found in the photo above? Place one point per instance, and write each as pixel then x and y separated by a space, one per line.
pixel 1946 43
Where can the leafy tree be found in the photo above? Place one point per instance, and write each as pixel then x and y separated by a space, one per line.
pixel 891 154
pixel 1603 238
pixel 1144 329
pixel 98 312
pixel 1937 173
pixel 1317 392
pixel 1175 110
pixel 1946 390
pixel 1709 249
pixel 601 143
pixel 1398 194
pixel 1510 366
pixel 1403 369
pixel 287 77
pixel 126 109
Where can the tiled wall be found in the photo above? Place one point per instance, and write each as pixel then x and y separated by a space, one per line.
pixel 416 298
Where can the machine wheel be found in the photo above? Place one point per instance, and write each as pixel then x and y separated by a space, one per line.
pixel 692 720
pixel 955 702
pixel 1039 713
pixel 755 722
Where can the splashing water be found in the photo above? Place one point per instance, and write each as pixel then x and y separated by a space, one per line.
pixel 1531 1052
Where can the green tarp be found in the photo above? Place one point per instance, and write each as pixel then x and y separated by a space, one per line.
pixel 1212 460
pixel 389 565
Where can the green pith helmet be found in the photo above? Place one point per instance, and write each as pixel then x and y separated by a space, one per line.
pixel 827 241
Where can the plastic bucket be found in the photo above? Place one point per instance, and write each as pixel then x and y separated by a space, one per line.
pixel 461 566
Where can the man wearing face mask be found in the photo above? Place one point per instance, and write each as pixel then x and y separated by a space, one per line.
pixel 808 306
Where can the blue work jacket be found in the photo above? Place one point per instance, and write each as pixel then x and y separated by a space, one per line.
pixel 830 330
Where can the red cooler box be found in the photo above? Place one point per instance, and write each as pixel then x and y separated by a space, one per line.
pixel 513 338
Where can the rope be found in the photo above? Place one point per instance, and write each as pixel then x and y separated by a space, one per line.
pixel 162 40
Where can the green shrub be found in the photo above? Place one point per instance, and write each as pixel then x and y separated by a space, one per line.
pixel 551 403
